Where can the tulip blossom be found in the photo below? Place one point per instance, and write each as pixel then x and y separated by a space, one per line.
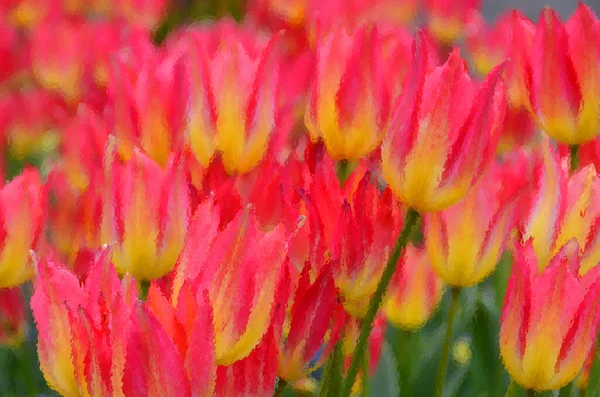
pixel 466 241
pixel 349 98
pixel 83 329
pixel 446 19
pixel 415 291
pixel 147 97
pixel 233 107
pixel 73 216
pixel 443 132
pixel 563 207
pixel 510 37
pixel 315 319
pixel 145 214
pixel 565 76
pixel 362 242
pixel 12 317
pixel 171 348
pixel 549 320
pixel 241 303
pixel 22 202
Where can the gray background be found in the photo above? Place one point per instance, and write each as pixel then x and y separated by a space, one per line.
pixel 491 8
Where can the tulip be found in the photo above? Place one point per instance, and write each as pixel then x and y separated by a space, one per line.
pixel 446 19
pixel 73 216
pixel 466 241
pixel 29 121
pixel 83 329
pixel 549 320
pixel 445 118
pixel 85 138
pixel 315 312
pixel 59 55
pixel 565 76
pixel 362 242
pixel 562 208
pixel 145 214
pixel 415 291
pixel 171 349
pixel 253 376
pixel 22 203
pixel 348 102
pixel 147 99
pixel 233 108
pixel 12 317
pixel 241 303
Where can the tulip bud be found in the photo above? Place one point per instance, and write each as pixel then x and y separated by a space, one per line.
pixel 146 212
pixel 549 320
pixel 22 209
pixel 566 79
pixel 415 291
pixel 466 241
pixel 233 109
pixel 443 119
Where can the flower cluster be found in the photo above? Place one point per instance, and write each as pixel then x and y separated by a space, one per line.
pixel 253 206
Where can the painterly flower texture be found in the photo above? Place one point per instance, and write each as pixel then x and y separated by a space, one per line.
pixel 13 324
pixel 447 118
pixel 550 318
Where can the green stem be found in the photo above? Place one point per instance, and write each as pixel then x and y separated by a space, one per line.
pixel 144 288
pixel 531 393
pixel 403 343
pixel 281 385
pixel 567 391
pixel 331 381
pixel 367 324
pixel 443 368
pixel 574 151
pixel 513 389
pixel 344 169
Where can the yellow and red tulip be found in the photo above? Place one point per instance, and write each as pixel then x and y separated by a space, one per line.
pixel 362 242
pixel 145 214
pixel 550 318
pixel 565 77
pixel 349 99
pixel 465 242
pixel 22 211
pixel 315 319
pixel 83 329
pixel 445 118
pixel 415 291
pixel 233 107
pixel 239 266
pixel 563 207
